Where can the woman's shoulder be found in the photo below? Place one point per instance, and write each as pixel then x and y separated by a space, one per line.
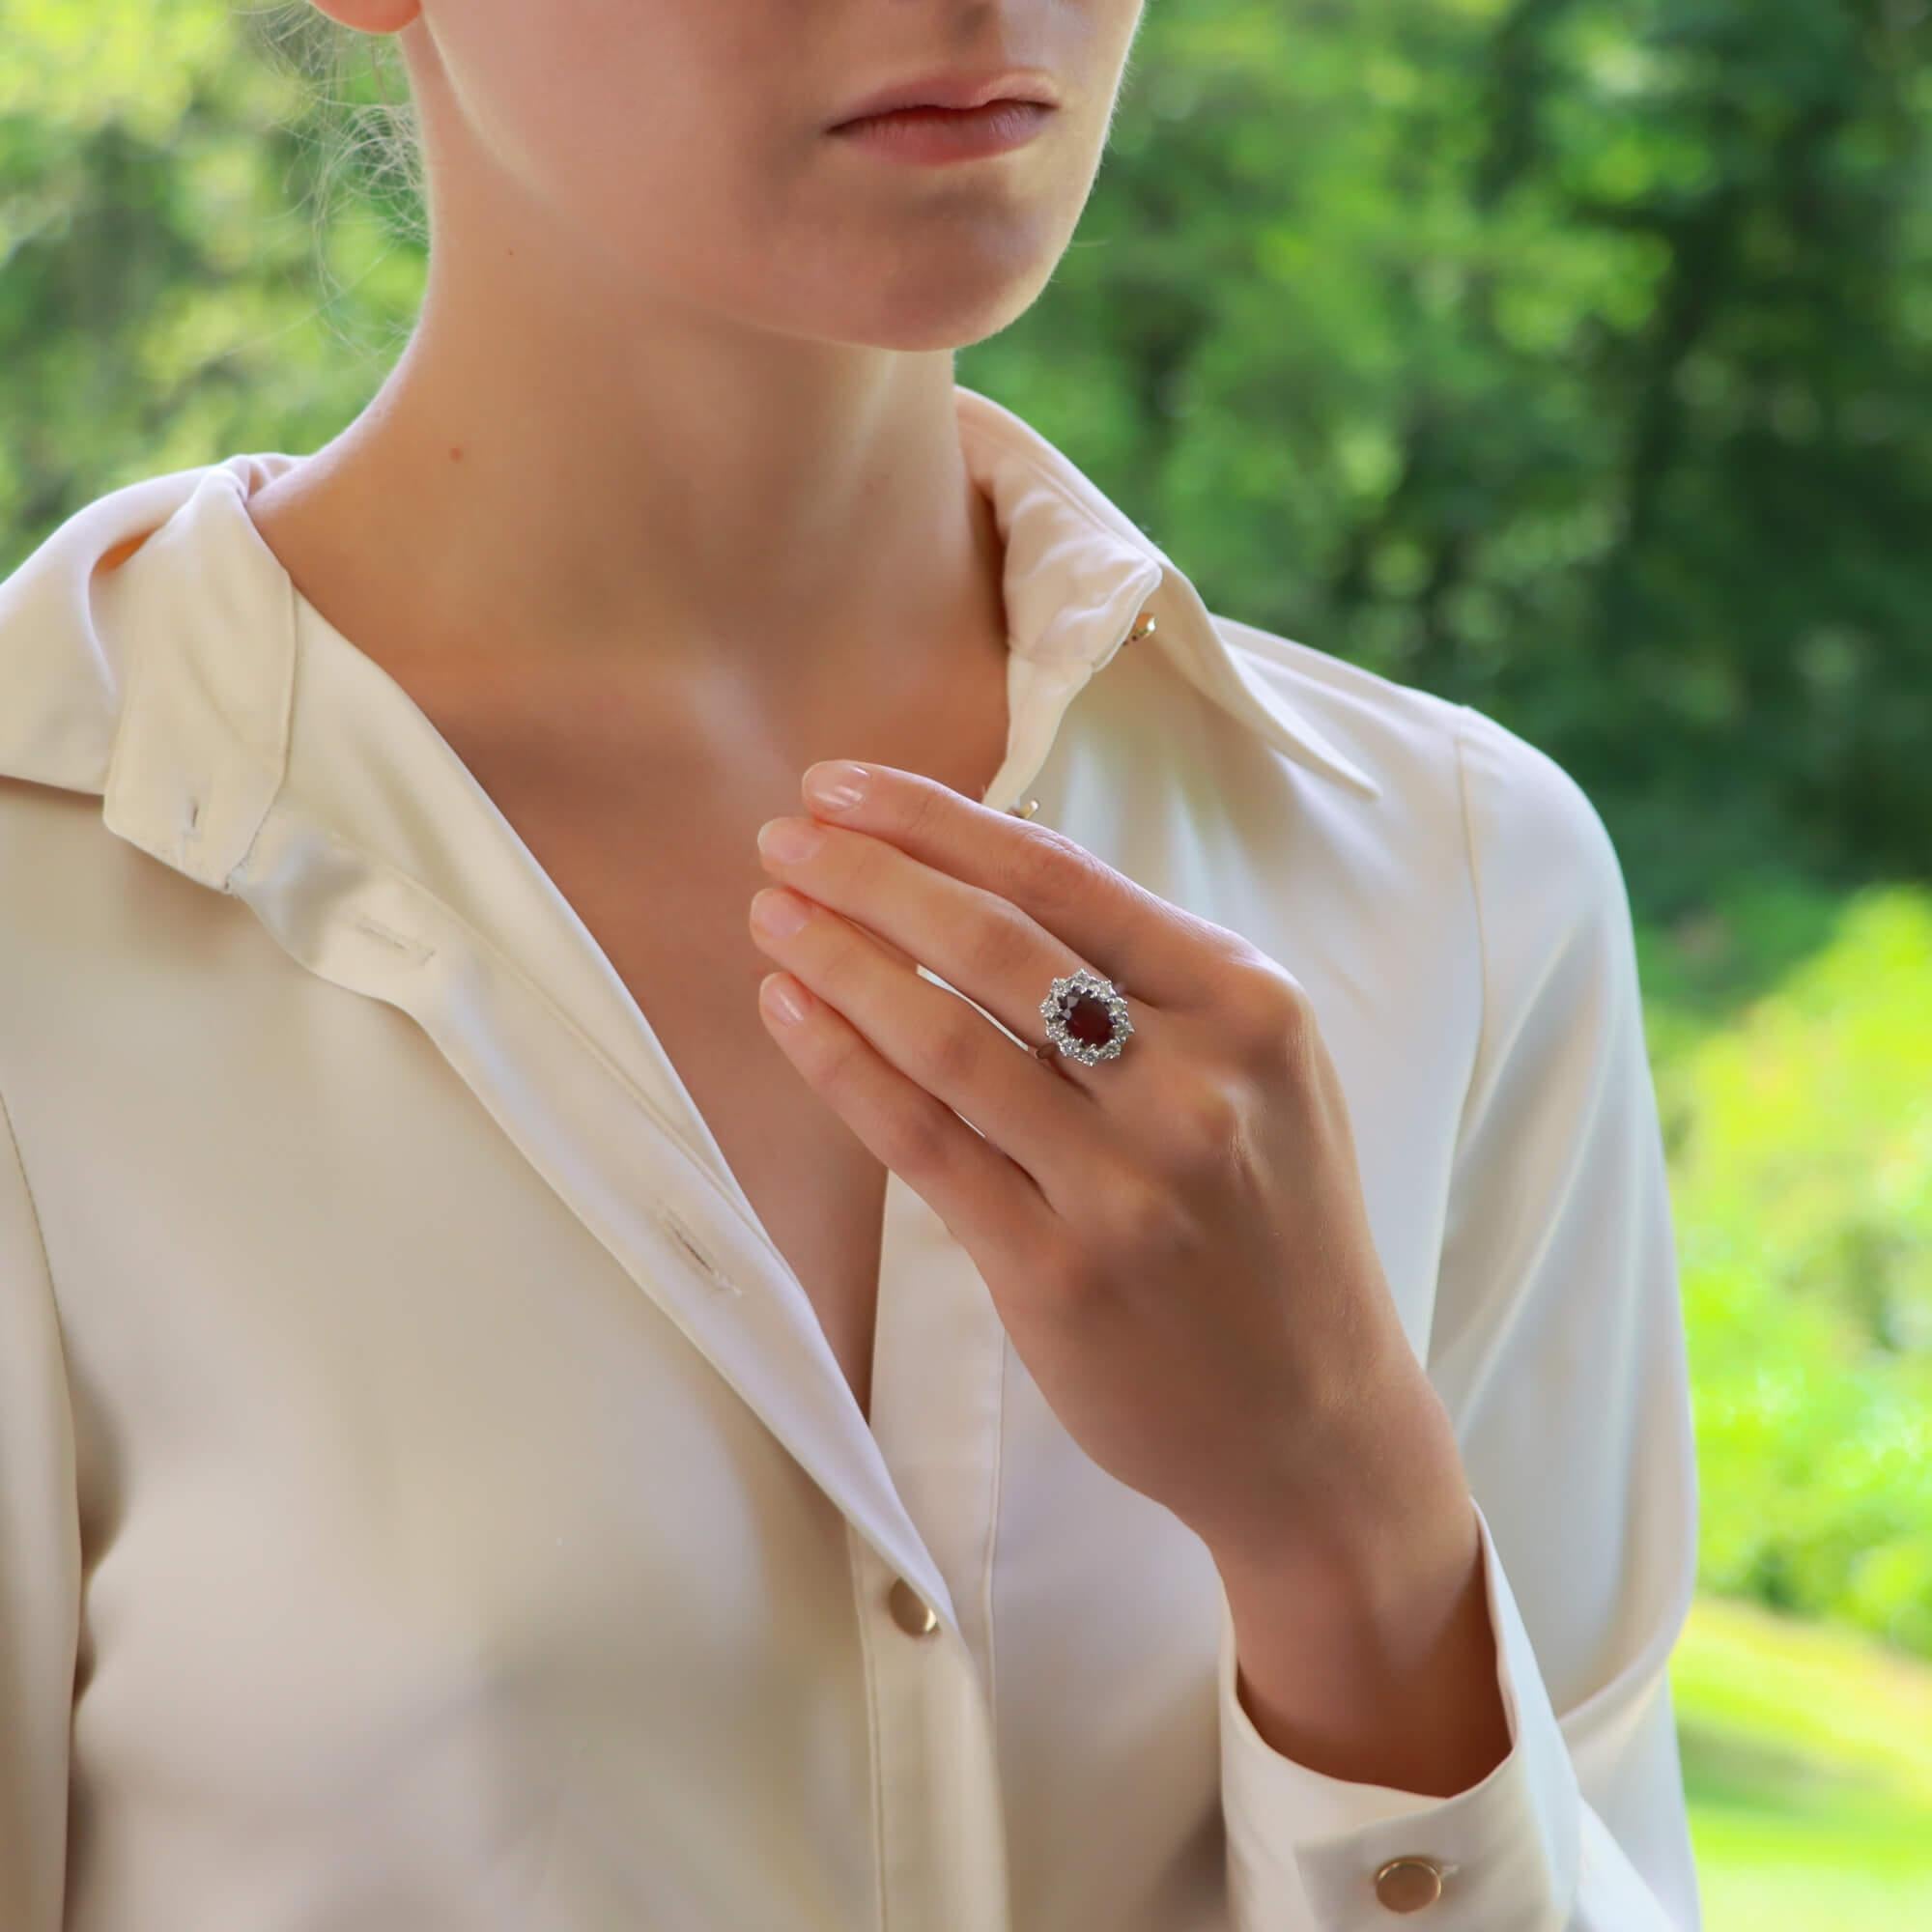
pixel 71 624
pixel 1529 827
pixel 64 644
pixel 1389 726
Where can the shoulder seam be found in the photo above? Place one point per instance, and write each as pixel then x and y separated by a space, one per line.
pixel 1473 865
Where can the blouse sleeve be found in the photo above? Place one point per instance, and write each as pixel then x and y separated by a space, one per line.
pixel 40 1566
pixel 1557 1346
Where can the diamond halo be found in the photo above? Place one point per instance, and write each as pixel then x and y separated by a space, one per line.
pixel 1078 1005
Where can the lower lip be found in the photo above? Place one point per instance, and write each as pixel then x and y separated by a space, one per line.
pixel 931 134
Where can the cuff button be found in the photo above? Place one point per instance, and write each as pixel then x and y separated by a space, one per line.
pixel 1407 1885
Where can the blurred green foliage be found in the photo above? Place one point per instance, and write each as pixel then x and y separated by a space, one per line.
pixel 1807 1770
pixel 1799 1128
pixel 1571 357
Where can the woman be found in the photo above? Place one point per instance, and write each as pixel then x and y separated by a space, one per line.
pixel 1074 1326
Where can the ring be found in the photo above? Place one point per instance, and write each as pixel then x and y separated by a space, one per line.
pixel 1086 1018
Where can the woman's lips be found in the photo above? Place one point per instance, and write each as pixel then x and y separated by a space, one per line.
pixel 949 133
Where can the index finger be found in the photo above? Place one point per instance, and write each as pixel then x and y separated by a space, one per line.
pixel 1133 935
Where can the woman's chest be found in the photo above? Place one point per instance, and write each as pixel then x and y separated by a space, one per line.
pixel 694 973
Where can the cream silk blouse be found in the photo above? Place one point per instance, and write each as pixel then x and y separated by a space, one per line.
pixel 428 1501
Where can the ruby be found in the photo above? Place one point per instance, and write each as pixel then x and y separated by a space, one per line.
pixel 1088 1018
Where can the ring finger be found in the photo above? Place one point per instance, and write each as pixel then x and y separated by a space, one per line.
pixel 931 1033
pixel 982 945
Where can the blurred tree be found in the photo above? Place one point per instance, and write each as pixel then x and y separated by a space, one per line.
pixel 1570 356
pixel 1801 1135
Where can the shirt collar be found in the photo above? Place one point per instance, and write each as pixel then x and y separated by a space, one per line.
pixel 1070 549
pixel 165 685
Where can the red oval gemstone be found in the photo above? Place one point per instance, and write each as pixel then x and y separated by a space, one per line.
pixel 1088 1018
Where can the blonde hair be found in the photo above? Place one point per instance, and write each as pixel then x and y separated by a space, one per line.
pixel 363 120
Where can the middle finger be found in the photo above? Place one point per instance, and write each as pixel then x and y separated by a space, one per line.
pixel 936 1039
pixel 984 946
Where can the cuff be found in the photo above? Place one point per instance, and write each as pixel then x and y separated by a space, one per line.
pixel 1303 1848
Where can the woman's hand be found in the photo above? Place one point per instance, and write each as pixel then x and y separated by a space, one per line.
pixel 1175 1239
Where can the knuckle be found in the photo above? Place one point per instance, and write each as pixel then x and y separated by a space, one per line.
pixel 841 948
pixel 866 863
pixel 925 814
pixel 837 1075
pixel 950 1051
pixel 1143 1217
pixel 1269 1008
pixel 1001 943
pixel 1204 1124
pixel 1050 869
pixel 913 1141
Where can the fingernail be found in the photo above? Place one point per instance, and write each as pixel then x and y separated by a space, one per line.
pixel 789 839
pixel 836 785
pixel 779 913
pixel 782 999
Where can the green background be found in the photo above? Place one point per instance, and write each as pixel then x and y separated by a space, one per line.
pixel 1569 358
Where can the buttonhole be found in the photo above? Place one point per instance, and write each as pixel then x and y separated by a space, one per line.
pixel 677 1228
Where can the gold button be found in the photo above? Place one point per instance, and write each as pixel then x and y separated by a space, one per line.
pixel 1407 1885
pixel 911 1612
